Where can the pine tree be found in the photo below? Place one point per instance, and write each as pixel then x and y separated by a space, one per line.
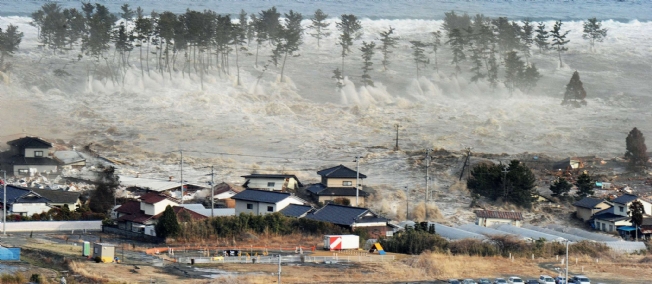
pixel 541 39
pixel 367 54
pixel 339 79
pixel 476 63
pixel 517 186
pixel 75 26
pixel 270 19
pixel 636 149
pixel 529 78
pixel 243 26
pixel 127 13
pixel 319 26
pixel 584 185
pixel 167 225
pixel 593 31
pixel 492 65
pixel 453 21
pixel 560 187
pixel 387 43
pixel 559 40
pixel 419 55
pixel 574 91
pixel 436 43
pixel 526 40
pixel 291 37
pixel 52 26
pixel 261 35
pixel 507 35
pixel 457 42
pixel 100 24
pixel 143 29
pixel 513 69
pixel 636 211
pixel 350 29
pixel 9 41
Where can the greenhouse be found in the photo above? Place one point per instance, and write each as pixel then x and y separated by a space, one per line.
pixel 455 233
pixel 572 238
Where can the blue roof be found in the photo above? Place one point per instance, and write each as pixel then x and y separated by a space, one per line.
pixel 17 194
pixel 626 228
pixel 264 196
pixel 625 198
pixel 295 210
pixel 344 215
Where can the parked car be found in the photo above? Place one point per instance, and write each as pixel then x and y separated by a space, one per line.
pixel 532 281
pixel 545 279
pixel 453 281
pixel 514 280
pixel 560 280
pixel 484 281
pixel 500 281
pixel 469 281
pixel 580 279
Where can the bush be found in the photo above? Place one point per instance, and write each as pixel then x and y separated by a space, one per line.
pixel 97 259
pixel 36 278
pixel 412 241
pixel 10 279
pixel 473 247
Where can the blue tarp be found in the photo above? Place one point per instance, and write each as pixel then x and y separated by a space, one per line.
pixel 9 253
pixel 626 228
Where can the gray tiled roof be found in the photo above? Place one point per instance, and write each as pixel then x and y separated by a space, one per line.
pixel 588 202
pixel 261 196
pixel 295 210
pixel 58 196
pixel 321 190
pixel 339 172
pixel 17 194
pixel 343 215
pixel 30 142
pixel 625 198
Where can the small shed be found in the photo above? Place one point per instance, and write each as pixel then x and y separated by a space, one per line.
pixel 105 251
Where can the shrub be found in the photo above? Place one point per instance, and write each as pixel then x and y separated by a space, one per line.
pixel 35 278
pixel 97 259
pixel 473 247
pixel 412 241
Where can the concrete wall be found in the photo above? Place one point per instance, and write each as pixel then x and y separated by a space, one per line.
pixel 488 222
pixel 53 226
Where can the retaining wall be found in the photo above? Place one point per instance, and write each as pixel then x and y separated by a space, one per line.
pixel 52 226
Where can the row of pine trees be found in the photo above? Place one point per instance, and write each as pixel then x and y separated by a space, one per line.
pixel 195 42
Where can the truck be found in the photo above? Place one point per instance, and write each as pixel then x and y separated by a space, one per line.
pixel 341 242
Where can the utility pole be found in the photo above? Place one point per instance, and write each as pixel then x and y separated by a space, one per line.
pixel 427 175
pixel 212 193
pixel 4 204
pixel 505 171
pixel 181 180
pixel 468 154
pixel 279 269
pixel 397 127
pixel 407 206
pixel 357 180
pixel 566 277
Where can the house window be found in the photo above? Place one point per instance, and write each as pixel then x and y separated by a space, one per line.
pixel 347 183
pixel 38 153
pixel 622 209
pixel 270 208
pixel 250 206
pixel 270 184
pixel 23 171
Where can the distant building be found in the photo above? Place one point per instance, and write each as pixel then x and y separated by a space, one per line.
pixel 353 218
pixel 23 202
pixel 273 182
pixel 588 206
pixel 31 155
pixel 223 193
pixel 488 218
pixel 338 183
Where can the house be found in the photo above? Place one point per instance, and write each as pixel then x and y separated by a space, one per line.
pixel 646 227
pixel 588 206
pixel 339 183
pixel 623 202
pixel 106 252
pixel 23 202
pixel 168 186
pixel 608 221
pixel 31 155
pixel 261 202
pixel 296 210
pixel 353 218
pixel 274 182
pixel 59 198
pixel 222 194
pixel 154 203
pixel 488 218
pixel 568 164
pixel 140 216
pixel 72 159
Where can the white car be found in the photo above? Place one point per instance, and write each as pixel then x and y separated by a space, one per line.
pixel 515 280
pixel 500 281
pixel 580 279
pixel 545 279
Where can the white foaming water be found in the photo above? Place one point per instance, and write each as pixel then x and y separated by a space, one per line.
pixel 305 118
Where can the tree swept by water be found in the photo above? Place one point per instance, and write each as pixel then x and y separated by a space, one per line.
pixel 319 26
pixel 350 29
pixel 593 31
pixel 388 42
pixel 367 54
pixel 559 40
pixel 575 93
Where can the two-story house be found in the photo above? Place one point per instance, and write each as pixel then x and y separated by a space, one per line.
pixel 261 202
pixel 609 220
pixel 140 216
pixel 339 183
pixel 274 182
pixel 623 202
pixel 31 155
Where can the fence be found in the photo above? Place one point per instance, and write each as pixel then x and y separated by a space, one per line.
pixel 48 226
pixel 286 259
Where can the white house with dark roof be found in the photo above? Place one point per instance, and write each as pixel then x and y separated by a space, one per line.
pixel 353 218
pixel 31 155
pixel 607 220
pixel 274 182
pixel 23 201
pixel 622 203
pixel 588 206
pixel 489 218
pixel 296 210
pixel 338 182
pixel 261 202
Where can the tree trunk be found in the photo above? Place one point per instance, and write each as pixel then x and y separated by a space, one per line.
pixel 560 63
pixel 237 65
pixel 142 71
pixel 283 66
pixel 256 62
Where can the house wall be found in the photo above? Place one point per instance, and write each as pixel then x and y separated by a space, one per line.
pixel 224 195
pixel 260 208
pixel 285 202
pixel 646 206
pixel 28 209
pixel 159 207
pixel 609 226
pixel 585 213
pixel 488 222
pixel 40 169
pixel 338 182
pixel 361 199
pixel 241 207
pixel 29 152
pixel 262 183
